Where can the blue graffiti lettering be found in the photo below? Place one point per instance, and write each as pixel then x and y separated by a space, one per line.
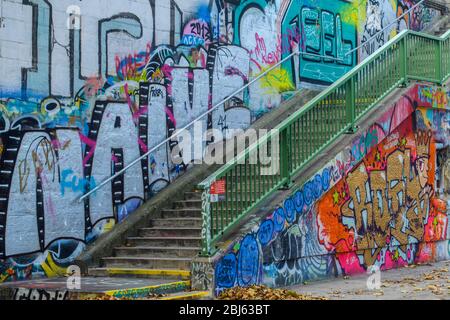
pixel 265 232
pixel 75 184
pixel 248 261
pixel 226 271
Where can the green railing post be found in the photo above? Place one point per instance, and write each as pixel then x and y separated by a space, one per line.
pixel 206 222
pixel 285 157
pixel 439 76
pixel 404 61
pixel 350 104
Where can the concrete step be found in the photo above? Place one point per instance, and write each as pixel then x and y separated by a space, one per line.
pixel 140 273
pixel 55 288
pixel 192 195
pixel 177 222
pixel 168 242
pixel 148 263
pixel 157 252
pixel 170 232
pixel 195 203
pixel 181 213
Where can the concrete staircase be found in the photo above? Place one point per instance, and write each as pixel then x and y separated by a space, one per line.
pixel 160 240
pixel 443 26
pixel 164 248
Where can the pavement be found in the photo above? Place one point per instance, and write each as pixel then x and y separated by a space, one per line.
pixel 416 282
pixel 57 288
pixel 88 284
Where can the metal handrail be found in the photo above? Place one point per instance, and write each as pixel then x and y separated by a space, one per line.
pixel 206 182
pixel 342 79
pixel 178 132
pixel 346 101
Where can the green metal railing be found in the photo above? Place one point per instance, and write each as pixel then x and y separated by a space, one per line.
pixel 249 179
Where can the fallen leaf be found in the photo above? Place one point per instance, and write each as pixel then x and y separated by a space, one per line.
pixel 264 293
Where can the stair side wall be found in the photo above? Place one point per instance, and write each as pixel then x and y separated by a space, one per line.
pixel 382 202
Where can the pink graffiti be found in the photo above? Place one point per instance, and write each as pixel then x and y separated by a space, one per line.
pixel 171 116
pixel 285 44
pixel 142 111
pixel 261 54
pixel 92 144
pixel 167 71
pixel 232 71
pixel 143 146
pixel 93 86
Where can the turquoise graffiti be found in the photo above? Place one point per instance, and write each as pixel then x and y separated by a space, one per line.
pixel 323 33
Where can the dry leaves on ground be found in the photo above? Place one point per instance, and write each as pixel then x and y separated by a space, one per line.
pixel 264 293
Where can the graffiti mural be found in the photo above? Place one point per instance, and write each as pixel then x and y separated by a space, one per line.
pixel 91 86
pixel 320 31
pixel 379 21
pixel 384 204
pixel 39 294
pixel 374 204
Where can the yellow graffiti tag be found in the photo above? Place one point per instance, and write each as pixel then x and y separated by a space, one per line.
pixel 51 269
pixel 277 80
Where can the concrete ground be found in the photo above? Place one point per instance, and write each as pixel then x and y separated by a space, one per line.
pixel 117 288
pixel 417 282
pixel 88 284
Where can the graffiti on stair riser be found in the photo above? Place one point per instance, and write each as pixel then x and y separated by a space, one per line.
pixel 39 294
pixel 379 210
pixel 91 88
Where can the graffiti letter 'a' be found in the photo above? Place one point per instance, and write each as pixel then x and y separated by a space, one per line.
pixel 33 212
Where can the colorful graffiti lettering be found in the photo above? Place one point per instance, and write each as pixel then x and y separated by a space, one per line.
pixel 378 208
pixel 80 103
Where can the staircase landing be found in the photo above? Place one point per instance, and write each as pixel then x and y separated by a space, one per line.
pixel 98 287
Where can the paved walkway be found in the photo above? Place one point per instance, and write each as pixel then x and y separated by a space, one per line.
pixel 57 289
pixel 88 284
pixel 429 281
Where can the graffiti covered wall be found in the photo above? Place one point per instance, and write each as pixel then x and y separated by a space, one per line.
pixel 88 86
pixel 376 203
